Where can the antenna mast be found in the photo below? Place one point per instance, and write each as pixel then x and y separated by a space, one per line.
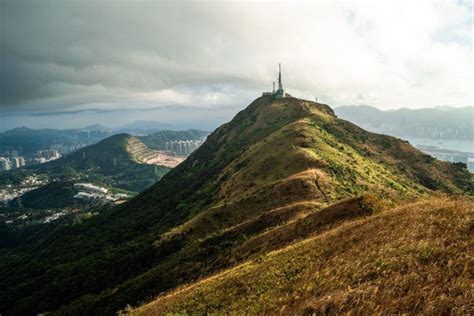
pixel 280 86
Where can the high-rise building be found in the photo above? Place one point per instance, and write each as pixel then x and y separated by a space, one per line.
pixel 183 147
pixel 40 160
pixel 15 163
pixel 5 164
pixel 48 154
pixel 21 161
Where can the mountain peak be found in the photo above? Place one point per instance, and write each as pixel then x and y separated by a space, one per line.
pixel 291 105
pixel 280 170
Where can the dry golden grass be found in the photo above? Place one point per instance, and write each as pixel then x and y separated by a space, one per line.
pixel 274 192
pixel 415 259
pixel 312 223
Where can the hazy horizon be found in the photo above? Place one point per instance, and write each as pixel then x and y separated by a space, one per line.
pixel 177 118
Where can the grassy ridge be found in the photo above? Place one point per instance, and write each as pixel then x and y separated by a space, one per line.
pixel 261 175
pixel 406 260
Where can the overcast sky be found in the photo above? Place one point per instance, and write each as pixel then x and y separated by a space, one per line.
pixel 119 56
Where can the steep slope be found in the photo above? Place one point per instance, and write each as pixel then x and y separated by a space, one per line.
pixel 413 259
pixel 277 166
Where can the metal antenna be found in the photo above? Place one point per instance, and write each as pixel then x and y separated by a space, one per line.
pixel 280 86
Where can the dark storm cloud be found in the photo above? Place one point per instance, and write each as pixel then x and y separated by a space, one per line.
pixel 78 55
pixel 50 49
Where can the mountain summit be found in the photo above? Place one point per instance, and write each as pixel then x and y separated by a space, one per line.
pixel 283 170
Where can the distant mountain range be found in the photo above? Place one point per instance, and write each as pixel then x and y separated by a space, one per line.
pixel 95 127
pixel 28 141
pixel 144 126
pixel 286 209
pixel 436 123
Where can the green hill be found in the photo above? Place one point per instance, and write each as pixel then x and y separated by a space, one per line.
pixel 279 172
pixel 57 194
pixel 108 162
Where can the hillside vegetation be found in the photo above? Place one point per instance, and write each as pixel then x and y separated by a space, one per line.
pixel 57 194
pixel 108 162
pixel 412 259
pixel 280 172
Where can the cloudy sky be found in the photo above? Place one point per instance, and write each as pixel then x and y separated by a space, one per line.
pixel 115 61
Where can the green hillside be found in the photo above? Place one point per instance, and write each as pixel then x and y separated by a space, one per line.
pixel 57 194
pixel 107 162
pixel 279 172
